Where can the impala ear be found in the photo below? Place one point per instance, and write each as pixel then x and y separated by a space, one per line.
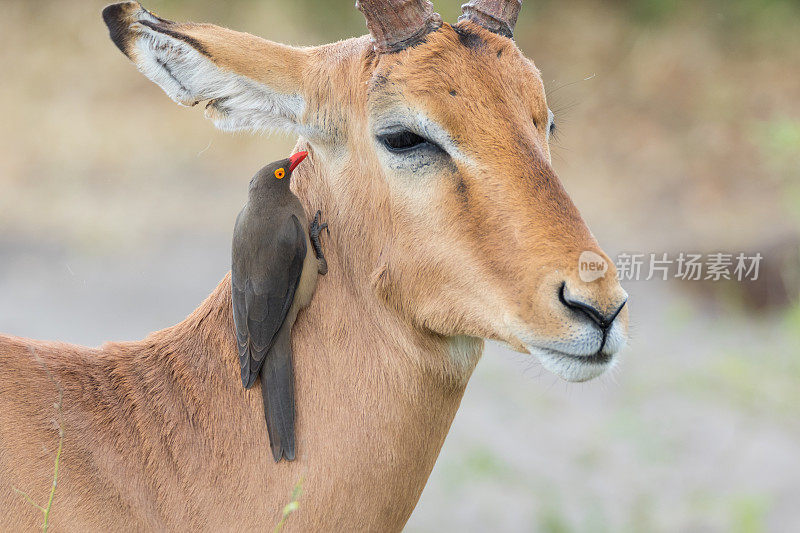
pixel 249 83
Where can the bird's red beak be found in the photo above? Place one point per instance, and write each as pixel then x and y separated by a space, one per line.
pixel 296 159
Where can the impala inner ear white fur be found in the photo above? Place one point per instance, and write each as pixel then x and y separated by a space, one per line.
pixel 235 102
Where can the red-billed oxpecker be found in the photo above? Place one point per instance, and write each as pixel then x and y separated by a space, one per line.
pixel 274 274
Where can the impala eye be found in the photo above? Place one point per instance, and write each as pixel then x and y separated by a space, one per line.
pixel 403 141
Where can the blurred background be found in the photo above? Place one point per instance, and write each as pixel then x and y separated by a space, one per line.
pixel 678 130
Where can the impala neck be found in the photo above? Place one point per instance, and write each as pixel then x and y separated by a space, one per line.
pixel 374 403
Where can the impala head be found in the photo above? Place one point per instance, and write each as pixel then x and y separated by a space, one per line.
pixel 429 152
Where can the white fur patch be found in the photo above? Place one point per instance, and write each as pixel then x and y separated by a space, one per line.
pixel 235 102
pixel 569 367
pixel 573 356
pixel 465 352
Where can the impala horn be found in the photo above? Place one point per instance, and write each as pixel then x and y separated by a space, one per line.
pixel 498 16
pixel 398 24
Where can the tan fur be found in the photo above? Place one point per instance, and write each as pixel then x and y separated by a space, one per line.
pixel 160 435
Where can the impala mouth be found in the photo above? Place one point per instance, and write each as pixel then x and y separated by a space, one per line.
pixel 571 367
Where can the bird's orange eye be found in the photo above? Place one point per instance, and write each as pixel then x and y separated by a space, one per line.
pixel 280 173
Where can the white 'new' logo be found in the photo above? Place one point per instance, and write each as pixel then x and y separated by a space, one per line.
pixel 591 266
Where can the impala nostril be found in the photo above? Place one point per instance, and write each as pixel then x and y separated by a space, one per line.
pixel 604 321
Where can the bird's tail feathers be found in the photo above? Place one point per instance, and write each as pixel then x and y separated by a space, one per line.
pixel 277 391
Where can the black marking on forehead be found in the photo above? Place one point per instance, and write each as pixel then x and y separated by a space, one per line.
pixel 469 39
pixel 379 81
pixel 161 28
pixel 380 77
pixel 500 52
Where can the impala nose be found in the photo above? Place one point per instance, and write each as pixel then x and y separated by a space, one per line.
pixel 602 317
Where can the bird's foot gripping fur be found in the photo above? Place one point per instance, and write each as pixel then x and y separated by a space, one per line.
pixel 314 231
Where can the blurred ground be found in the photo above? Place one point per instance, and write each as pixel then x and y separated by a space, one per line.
pixel 679 130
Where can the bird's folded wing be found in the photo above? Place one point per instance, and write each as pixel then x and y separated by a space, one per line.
pixel 262 301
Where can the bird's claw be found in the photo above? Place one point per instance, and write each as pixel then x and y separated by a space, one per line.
pixel 314 231
pixel 316 227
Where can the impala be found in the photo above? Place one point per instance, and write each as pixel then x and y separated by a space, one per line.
pixel 429 156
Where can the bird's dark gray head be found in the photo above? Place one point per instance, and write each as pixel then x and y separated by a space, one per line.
pixel 276 175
